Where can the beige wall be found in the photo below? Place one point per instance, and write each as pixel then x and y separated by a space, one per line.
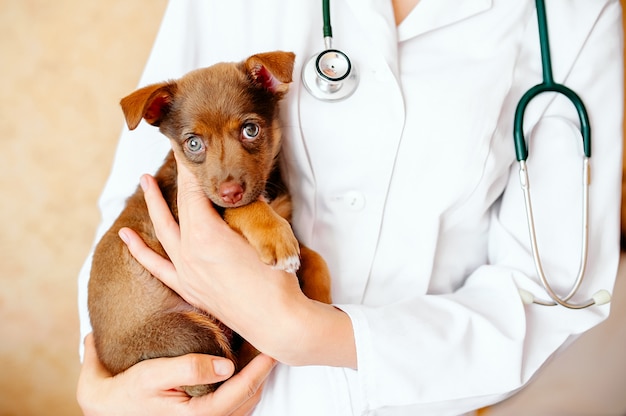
pixel 64 65
pixel 624 138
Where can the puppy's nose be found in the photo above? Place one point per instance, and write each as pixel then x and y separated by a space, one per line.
pixel 231 192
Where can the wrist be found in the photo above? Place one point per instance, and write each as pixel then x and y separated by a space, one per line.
pixel 318 334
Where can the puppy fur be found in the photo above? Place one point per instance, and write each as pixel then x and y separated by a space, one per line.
pixel 222 122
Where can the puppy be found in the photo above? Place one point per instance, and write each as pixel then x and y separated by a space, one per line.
pixel 222 122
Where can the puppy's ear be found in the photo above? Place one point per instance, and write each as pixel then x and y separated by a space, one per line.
pixel 150 103
pixel 271 70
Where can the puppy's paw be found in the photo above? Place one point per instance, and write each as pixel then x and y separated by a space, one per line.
pixel 291 264
pixel 279 248
pixel 269 233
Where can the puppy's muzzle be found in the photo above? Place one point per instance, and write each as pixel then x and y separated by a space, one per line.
pixel 231 192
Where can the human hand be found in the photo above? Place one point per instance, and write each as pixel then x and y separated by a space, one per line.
pixel 215 269
pixel 151 386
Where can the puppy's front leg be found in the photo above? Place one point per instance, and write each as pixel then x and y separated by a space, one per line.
pixel 269 233
pixel 314 276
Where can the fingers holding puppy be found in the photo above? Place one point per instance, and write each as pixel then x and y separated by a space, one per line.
pixel 178 240
pixel 202 247
pixel 193 204
pixel 165 225
pixel 154 383
pixel 158 266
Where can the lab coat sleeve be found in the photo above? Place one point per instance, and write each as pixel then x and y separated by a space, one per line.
pixel 142 150
pixel 451 353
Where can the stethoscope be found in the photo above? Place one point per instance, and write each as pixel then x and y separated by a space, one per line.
pixel 521 151
pixel 330 76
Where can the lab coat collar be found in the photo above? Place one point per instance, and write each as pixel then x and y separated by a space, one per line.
pixel 378 20
pixel 429 15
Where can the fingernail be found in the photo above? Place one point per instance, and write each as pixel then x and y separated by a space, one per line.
pixel 123 235
pixel 143 181
pixel 223 367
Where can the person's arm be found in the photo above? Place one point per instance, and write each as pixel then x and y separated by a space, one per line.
pixel 265 305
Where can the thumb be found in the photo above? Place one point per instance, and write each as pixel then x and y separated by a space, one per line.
pixel 92 373
pixel 193 204
pixel 241 393
pixel 92 367
pixel 185 370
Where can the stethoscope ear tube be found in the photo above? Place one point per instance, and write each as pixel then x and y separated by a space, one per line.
pixel 600 297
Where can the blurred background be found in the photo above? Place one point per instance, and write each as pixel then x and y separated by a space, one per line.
pixel 64 66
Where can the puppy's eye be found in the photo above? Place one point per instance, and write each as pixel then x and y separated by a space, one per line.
pixel 194 144
pixel 250 131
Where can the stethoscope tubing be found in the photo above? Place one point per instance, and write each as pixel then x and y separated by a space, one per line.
pixel 521 151
pixel 556 299
pixel 548 85
pixel 521 148
pixel 327 29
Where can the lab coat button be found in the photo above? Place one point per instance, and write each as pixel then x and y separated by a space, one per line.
pixel 354 200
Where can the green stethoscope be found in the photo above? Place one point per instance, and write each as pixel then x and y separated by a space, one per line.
pixel 521 150
pixel 330 76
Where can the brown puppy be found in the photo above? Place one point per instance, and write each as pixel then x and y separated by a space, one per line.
pixel 223 124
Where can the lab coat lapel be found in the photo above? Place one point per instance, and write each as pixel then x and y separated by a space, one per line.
pixel 377 17
pixel 350 146
pixel 429 15
pixel 565 49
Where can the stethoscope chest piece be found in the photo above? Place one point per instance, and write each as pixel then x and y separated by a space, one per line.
pixel 330 76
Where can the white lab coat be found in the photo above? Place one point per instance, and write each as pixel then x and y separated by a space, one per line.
pixel 409 188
